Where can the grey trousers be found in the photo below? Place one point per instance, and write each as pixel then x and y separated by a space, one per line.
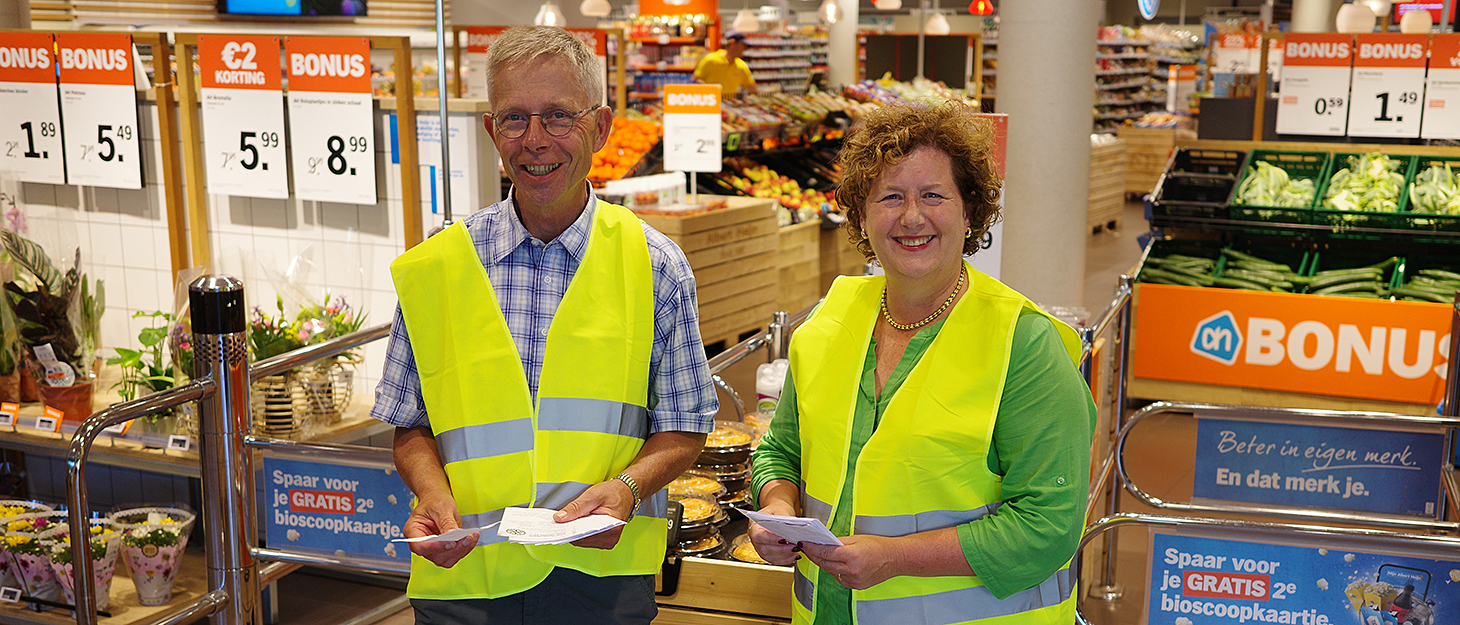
pixel 566 597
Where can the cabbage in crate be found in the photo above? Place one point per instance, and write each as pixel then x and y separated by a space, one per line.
pixel 1435 191
pixel 1370 183
pixel 1266 185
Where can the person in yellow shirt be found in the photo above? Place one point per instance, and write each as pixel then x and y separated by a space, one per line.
pixel 724 67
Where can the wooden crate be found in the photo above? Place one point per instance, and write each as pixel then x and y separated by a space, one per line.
pixel 733 254
pixel 799 261
pixel 1107 184
pixel 838 257
pixel 1147 150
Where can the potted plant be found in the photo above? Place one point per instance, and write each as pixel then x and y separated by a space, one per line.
pixel 30 555
pixel 58 317
pixel 104 539
pixel 10 508
pixel 153 540
pixel 278 402
pixel 146 371
pixel 328 384
pixel 10 364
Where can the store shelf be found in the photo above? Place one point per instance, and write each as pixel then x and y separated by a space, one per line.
pixel 1124 56
pixel 775 54
pixel 1131 102
pixel 1122 42
pixel 780 76
pixel 643 95
pixel 1171 60
pixel 667 40
pixel 666 68
pixel 1122 72
pixel 763 65
pixel 1123 85
pixel 1120 116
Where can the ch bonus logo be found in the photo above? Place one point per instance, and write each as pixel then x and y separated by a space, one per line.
pixel 1218 338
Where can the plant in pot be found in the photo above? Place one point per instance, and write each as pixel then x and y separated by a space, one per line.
pixel 328 384
pixel 10 359
pixel 58 316
pixel 153 539
pixel 30 554
pixel 104 539
pixel 278 402
pixel 9 509
pixel 147 371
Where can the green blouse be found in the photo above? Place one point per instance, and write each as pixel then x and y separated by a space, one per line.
pixel 1041 446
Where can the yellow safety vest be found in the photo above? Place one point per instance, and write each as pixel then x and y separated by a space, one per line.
pixel 499 448
pixel 925 467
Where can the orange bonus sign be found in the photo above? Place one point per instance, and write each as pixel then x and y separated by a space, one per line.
pixel 239 62
pixel 95 58
pixel 28 57
pixel 329 64
pixel 1390 351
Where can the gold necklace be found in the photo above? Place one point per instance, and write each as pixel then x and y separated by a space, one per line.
pixel 928 319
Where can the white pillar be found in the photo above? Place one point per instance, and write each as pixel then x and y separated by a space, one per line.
pixel 16 14
pixel 841 47
pixel 1313 16
pixel 1046 77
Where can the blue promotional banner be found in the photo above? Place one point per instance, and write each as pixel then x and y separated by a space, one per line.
pixel 1318 466
pixel 329 508
pixel 1206 581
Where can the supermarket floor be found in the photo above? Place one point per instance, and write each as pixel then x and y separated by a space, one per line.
pixel 310 599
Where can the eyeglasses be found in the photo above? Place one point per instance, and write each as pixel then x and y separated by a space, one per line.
pixel 557 122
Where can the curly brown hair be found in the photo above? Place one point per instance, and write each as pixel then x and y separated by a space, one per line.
pixel 882 138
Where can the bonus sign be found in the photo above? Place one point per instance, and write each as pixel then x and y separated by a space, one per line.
pixel 1387 96
pixel 30 140
pixel 692 128
pixel 99 104
pixel 330 110
pixel 1315 84
pixel 1442 93
pixel 243 116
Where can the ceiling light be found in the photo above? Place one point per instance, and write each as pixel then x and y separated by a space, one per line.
pixel 550 15
pixel 595 8
pixel 745 21
pixel 830 11
pixel 937 25
pixel 887 5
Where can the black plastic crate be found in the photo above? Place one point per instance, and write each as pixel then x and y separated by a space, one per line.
pixel 1192 195
pixel 1205 161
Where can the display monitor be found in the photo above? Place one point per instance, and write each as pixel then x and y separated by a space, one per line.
pixel 1435 7
pixel 301 8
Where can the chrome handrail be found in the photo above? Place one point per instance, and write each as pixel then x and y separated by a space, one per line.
pixel 737 352
pixel 1289 415
pixel 319 351
pixel 1378 538
pixel 364 565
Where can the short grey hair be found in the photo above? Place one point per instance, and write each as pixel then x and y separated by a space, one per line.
pixel 525 44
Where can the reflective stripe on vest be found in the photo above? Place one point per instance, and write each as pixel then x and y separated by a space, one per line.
pixel 943 415
pixel 509 450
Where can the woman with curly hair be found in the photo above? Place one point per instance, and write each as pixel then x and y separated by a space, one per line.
pixel 933 417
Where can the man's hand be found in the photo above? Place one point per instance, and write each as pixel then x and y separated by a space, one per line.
pixel 863 561
pixel 613 498
pixel 434 516
pixel 768 545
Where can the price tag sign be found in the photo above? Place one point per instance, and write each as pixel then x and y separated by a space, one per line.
pixel 178 442
pixel 330 117
pixel 50 421
pixel 1236 53
pixel 31 135
pixel 1315 84
pixel 10 594
pixel 692 128
pixel 1442 93
pixel 1387 97
pixel 243 116
pixel 99 104
pixel 8 412
pixel 119 429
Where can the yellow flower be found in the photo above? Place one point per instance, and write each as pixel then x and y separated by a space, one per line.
pixel 18 526
pixel 167 521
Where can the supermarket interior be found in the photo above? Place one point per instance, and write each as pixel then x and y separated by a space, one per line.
pixel 1261 268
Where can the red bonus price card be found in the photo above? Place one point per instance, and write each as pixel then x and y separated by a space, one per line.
pixel 330 118
pixel 30 137
pixel 99 104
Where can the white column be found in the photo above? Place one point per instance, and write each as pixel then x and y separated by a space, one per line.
pixel 841 52
pixel 16 14
pixel 1046 78
pixel 1313 16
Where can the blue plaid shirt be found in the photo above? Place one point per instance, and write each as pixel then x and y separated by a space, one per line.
pixel 530 278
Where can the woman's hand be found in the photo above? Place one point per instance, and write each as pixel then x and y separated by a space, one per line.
pixel 768 545
pixel 861 562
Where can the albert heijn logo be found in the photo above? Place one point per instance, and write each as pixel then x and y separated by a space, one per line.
pixel 1218 338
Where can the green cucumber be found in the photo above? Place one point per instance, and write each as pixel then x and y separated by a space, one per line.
pixel 1373 271
pixel 1170 277
pixel 1355 295
pixel 1234 283
pixel 1440 274
pixel 1414 293
pixel 1349 287
pixel 1250 276
pixel 1340 278
pixel 1248 257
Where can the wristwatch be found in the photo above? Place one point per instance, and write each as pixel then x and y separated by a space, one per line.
pixel 634 487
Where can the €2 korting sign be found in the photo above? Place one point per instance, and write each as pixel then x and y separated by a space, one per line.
pixel 1389 351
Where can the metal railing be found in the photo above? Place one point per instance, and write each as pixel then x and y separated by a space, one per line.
pixel 1435 546
pixel 220 386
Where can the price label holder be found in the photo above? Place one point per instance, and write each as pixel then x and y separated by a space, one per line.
pixel 243 116
pixel 30 137
pixel 1387 96
pixel 330 119
pixel 9 412
pixel 119 429
pixel 1236 53
pixel 50 421
pixel 1315 84
pixel 178 442
pixel 10 594
pixel 692 128
pixel 1442 89
pixel 99 106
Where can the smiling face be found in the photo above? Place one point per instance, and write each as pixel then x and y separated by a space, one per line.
pixel 914 218
pixel 547 172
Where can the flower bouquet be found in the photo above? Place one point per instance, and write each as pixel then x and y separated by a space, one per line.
pixel 30 554
pixel 278 402
pixel 9 509
pixel 152 544
pixel 104 539
pixel 328 385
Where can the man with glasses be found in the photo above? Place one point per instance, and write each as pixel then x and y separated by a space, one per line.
pixel 545 354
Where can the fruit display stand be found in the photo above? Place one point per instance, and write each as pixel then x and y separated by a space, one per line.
pixel 732 251
pixel 1107 182
pixel 799 260
pixel 1147 150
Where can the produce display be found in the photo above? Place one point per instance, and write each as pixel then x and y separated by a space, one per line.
pixel 1434 191
pixel 1266 185
pixel 1430 285
pixel 1238 270
pixel 1369 183
pixel 630 139
pixel 886 91
pixel 758 180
